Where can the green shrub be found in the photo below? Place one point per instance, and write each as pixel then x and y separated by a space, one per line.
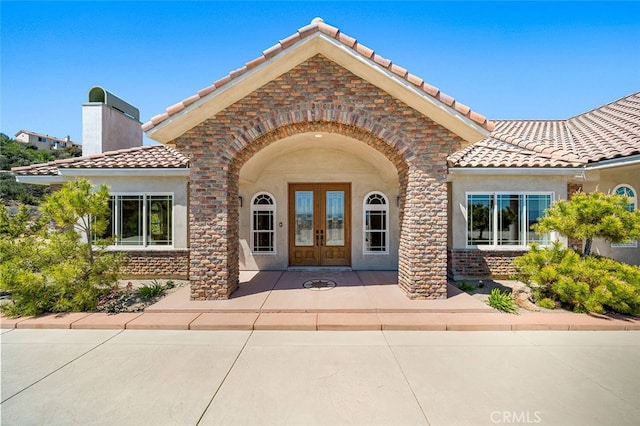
pixel 149 291
pixel 464 286
pixel 53 270
pixel 502 301
pixel 547 303
pixel 583 284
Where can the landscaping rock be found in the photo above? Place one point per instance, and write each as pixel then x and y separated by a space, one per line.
pixel 523 296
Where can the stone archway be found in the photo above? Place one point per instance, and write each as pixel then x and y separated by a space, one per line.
pixel 417 146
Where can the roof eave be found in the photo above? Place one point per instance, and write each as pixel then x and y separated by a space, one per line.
pixel 616 162
pixel 177 124
pixel 112 172
pixel 40 179
pixel 540 171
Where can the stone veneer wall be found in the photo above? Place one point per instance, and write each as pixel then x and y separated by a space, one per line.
pixel 317 95
pixel 156 264
pixel 473 263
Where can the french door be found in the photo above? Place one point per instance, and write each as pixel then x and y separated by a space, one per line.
pixel 319 224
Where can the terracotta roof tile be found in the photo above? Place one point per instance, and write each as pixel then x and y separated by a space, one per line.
pixel 445 99
pixel 147 157
pixel 462 108
pixel 364 50
pixel 610 131
pixel 399 71
pixel 221 82
pixel 290 41
pixel 317 25
pixel 346 40
pixel 254 63
pixel 383 62
pixel 272 51
pixel 328 29
pixel 432 90
pixel 415 80
pixel 237 73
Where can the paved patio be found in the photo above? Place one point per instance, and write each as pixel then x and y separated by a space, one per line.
pixel 360 300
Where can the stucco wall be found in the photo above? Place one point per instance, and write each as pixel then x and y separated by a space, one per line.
pixel 606 180
pixel 149 184
pixel 105 129
pixel 488 261
pixel 461 184
pixel 332 158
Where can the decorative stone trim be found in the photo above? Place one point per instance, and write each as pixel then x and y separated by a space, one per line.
pixel 156 264
pixel 473 263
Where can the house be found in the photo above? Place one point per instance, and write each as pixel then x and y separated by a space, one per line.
pixel 45 142
pixel 320 153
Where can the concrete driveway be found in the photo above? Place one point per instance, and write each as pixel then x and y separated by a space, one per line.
pixel 135 377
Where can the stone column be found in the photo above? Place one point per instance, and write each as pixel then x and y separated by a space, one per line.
pixel 422 268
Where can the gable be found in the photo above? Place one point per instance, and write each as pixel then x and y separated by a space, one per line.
pixel 319 39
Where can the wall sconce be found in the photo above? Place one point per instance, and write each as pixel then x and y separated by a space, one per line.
pixel 398 201
pixel 240 199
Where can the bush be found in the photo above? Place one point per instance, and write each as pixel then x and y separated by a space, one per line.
pixel 51 270
pixel 502 301
pixel 547 303
pixel 583 284
pixel 149 291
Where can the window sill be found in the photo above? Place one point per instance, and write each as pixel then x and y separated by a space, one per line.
pixel 141 248
pixel 498 248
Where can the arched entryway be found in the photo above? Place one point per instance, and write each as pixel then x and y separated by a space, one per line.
pixel 317 184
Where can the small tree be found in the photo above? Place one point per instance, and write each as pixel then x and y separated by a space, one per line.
pixel 53 270
pixel 589 216
pixel 75 205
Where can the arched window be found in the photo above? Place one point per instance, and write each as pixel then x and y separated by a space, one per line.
pixel 263 219
pixel 629 192
pixel 376 223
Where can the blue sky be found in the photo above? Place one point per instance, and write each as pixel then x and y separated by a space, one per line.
pixel 504 60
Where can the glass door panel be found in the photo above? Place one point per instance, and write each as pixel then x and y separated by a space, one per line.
pixel 334 213
pixel 304 218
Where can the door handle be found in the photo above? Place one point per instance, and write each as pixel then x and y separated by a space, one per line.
pixel 319 237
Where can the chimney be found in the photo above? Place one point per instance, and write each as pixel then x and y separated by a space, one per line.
pixel 109 123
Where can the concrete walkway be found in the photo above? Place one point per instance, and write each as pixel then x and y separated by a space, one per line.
pixel 133 377
pixel 362 300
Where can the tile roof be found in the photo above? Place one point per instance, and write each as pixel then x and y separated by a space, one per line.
pixel 610 131
pixel 145 157
pixel 318 26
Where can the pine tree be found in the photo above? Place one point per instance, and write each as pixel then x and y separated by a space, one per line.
pixel 593 215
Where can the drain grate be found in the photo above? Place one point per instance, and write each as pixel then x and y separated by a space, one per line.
pixel 319 284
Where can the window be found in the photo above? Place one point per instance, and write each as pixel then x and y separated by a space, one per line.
pixel 141 220
pixel 263 218
pixel 629 192
pixel 504 219
pixel 376 223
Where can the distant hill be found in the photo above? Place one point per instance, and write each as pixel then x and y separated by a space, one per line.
pixel 16 154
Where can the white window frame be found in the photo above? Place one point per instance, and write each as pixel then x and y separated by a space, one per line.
pixel 634 201
pixel 494 217
pixel 370 207
pixel 145 244
pixel 264 207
